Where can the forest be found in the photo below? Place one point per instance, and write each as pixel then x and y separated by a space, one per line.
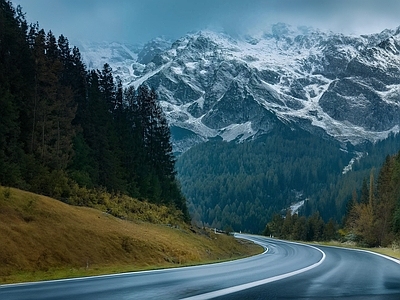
pixel 372 218
pixel 241 186
pixel 64 128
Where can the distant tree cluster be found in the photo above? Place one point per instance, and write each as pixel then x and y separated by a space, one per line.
pixel 295 227
pixel 241 186
pixel 373 217
pixel 62 125
pixel 332 200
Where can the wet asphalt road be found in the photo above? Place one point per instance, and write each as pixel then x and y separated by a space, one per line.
pixel 284 271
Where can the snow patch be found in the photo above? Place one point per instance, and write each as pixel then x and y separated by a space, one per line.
pixel 138 82
pixel 349 167
pixel 177 70
pixel 294 208
pixel 242 131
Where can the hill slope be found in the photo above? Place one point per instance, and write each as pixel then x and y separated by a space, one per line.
pixel 43 238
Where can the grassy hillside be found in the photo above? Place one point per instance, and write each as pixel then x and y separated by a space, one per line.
pixel 42 238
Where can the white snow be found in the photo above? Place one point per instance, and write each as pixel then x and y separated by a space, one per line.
pixel 200 102
pixel 349 167
pixel 177 70
pixel 231 132
pixel 191 65
pixel 142 79
pixel 294 208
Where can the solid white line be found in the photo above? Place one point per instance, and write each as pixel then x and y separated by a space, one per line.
pixel 174 269
pixel 397 261
pixel 249 285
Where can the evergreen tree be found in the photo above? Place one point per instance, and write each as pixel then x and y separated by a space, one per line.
pixel 364 192
pixel 61 125
pixel 107 87
pixel 9 135
pixel 16 65
pixel 300 229
pixel 102 137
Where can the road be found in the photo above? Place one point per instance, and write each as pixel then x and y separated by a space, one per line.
pixel 285 270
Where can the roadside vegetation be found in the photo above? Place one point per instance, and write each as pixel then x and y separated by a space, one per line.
pixel 42 238
pixel 392 251
pixel 372 220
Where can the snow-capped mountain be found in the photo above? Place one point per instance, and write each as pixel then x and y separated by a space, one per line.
pixel 211 84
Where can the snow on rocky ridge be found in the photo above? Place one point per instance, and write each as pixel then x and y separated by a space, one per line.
pixel 211 84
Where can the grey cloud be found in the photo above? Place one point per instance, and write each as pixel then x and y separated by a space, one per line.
pixel 139 21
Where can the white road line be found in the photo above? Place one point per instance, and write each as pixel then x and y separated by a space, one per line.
pixel 397 261
pixel 135 273
pixel 249 285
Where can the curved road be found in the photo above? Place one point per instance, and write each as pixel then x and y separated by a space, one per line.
pixel 284 271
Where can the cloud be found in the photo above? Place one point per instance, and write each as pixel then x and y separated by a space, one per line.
pixel 140 21
pixel 357 16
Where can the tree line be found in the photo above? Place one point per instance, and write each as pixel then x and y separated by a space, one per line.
pixel 64 126
pixel 295 227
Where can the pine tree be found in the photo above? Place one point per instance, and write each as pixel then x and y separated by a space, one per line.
pixel 9 145
pixel 385 201
pixel 76 78
pixel 364 192
pixel 372 189
pixel 107 87
pixel 16 66
pixel 53 107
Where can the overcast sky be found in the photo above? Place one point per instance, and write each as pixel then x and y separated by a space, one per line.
pixel 138 21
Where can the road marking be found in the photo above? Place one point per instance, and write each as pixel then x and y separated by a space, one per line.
pixel 397 261
pixel 133 273
pixel 238 288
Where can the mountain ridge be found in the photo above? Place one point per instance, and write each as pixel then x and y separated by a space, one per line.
pixel 211 84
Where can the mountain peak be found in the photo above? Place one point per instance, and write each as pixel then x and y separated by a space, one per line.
pixel 212 84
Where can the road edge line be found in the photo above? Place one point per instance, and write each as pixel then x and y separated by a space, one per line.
pixel 242 287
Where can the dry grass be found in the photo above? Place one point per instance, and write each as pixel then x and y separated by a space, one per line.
pixel 392 252
pixel 42 238
pixel 387 251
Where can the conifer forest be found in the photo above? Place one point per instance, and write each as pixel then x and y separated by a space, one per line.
pixel 64 127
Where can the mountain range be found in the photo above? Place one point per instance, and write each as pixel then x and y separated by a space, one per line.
pixel 211 84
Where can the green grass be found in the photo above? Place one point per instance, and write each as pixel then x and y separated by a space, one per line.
pixel 42 238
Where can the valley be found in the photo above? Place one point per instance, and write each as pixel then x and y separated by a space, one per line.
pixel 139 149
pixel 261 99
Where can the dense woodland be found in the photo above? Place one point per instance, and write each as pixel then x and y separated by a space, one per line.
pixel 242 186
pixel 372 218
pixel 64 128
